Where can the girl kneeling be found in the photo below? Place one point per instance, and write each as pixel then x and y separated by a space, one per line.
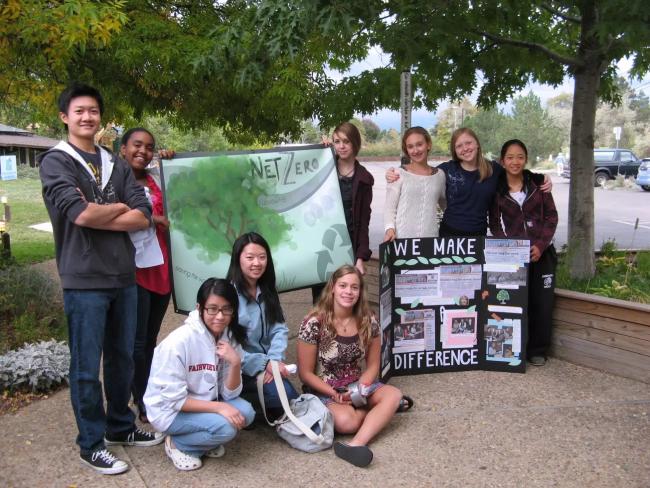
pixel 334 340
pixel 195 382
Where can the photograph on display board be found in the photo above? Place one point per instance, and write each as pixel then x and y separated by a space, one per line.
pixel 506 279
pixel 503 340
pixel 415 331
pixel 385 308
pixel 385 276
pixel 385 352
pixel 506 251
pixel 459 329
pixel 460 279
pixel 412 284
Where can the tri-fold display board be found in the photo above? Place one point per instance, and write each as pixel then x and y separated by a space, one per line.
pixel 453 304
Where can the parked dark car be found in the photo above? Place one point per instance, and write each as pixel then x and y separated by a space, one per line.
pixel 609 162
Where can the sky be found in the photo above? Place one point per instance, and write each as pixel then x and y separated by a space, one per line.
pixel 390 119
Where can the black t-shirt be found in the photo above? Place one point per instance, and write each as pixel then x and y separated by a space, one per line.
pixel 94 161
pixel 345 184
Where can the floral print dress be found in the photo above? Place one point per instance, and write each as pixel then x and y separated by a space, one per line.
pixel 340 359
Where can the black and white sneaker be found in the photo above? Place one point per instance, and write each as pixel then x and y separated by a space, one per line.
pixel 136 437
pixel 104 461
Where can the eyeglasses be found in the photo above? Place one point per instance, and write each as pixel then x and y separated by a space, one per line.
pixel 227 310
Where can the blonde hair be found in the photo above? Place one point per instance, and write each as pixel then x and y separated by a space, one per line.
pixel 484 166
pixel 324 308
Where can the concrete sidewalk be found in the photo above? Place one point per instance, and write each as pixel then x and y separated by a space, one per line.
pixel 560 425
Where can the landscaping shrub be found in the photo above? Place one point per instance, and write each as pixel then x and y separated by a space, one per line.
pixel 30 307
pixel 36 367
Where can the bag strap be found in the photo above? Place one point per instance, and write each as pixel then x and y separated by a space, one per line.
pixel 260 394
pixel 282 394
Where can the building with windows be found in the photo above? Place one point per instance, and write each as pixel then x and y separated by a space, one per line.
pixel 23 144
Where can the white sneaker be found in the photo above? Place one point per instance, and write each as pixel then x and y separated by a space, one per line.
pixel 217 452
pixel 104 461
pixel 182 461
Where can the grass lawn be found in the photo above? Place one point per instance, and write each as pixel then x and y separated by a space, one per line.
pixel 27 208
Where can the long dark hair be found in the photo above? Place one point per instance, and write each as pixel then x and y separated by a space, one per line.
pixel 223 288
pixel 269 294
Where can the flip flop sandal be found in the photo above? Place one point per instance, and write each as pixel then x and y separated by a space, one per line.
pixel 405 404
pixel 182 461
pixel 360 456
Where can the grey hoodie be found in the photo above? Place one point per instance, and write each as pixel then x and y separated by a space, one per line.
pixel 89 258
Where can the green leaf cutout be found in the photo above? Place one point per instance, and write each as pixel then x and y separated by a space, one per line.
pixel 434 261
pixel 399 262
pixel 457 259
pixel 411 262
pixel 416 302
pixel 400 311
pixel 470 259
pixel 423 260
pixel 446 260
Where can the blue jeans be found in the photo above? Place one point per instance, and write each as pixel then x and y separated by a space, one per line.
pixel 101 321
pixel 272 401
pixel 197 433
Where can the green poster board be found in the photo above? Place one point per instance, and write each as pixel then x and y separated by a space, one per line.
pixel 290 195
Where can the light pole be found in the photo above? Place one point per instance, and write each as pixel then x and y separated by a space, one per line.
pixel 406 102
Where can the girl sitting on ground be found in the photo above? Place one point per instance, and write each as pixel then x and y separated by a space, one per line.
pixel 195 382
pixel 334 340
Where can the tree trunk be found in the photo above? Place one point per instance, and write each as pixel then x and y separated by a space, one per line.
pixel 580 240
pixel 581 190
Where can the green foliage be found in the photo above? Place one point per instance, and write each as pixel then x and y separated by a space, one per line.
pixel 529 122
pixel 183 139
pixel 216 202
pixel 619 274
pixel 41 41
pixel 371 129
pixel 30 307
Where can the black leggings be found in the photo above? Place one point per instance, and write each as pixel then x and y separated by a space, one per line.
pixel 151 311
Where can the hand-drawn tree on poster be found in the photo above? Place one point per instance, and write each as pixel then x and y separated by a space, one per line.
pixel 216 201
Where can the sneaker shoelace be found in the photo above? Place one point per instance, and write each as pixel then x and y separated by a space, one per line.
pixel 140 433
pixel 105 456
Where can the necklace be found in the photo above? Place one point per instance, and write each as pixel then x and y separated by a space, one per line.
pixel 343 324
pixel 346 175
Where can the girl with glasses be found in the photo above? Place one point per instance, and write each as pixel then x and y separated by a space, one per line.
pixel 193 391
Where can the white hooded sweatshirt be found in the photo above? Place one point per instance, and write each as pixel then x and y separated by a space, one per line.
pixel 185 365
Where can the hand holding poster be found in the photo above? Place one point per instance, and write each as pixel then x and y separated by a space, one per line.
pixel 288 195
